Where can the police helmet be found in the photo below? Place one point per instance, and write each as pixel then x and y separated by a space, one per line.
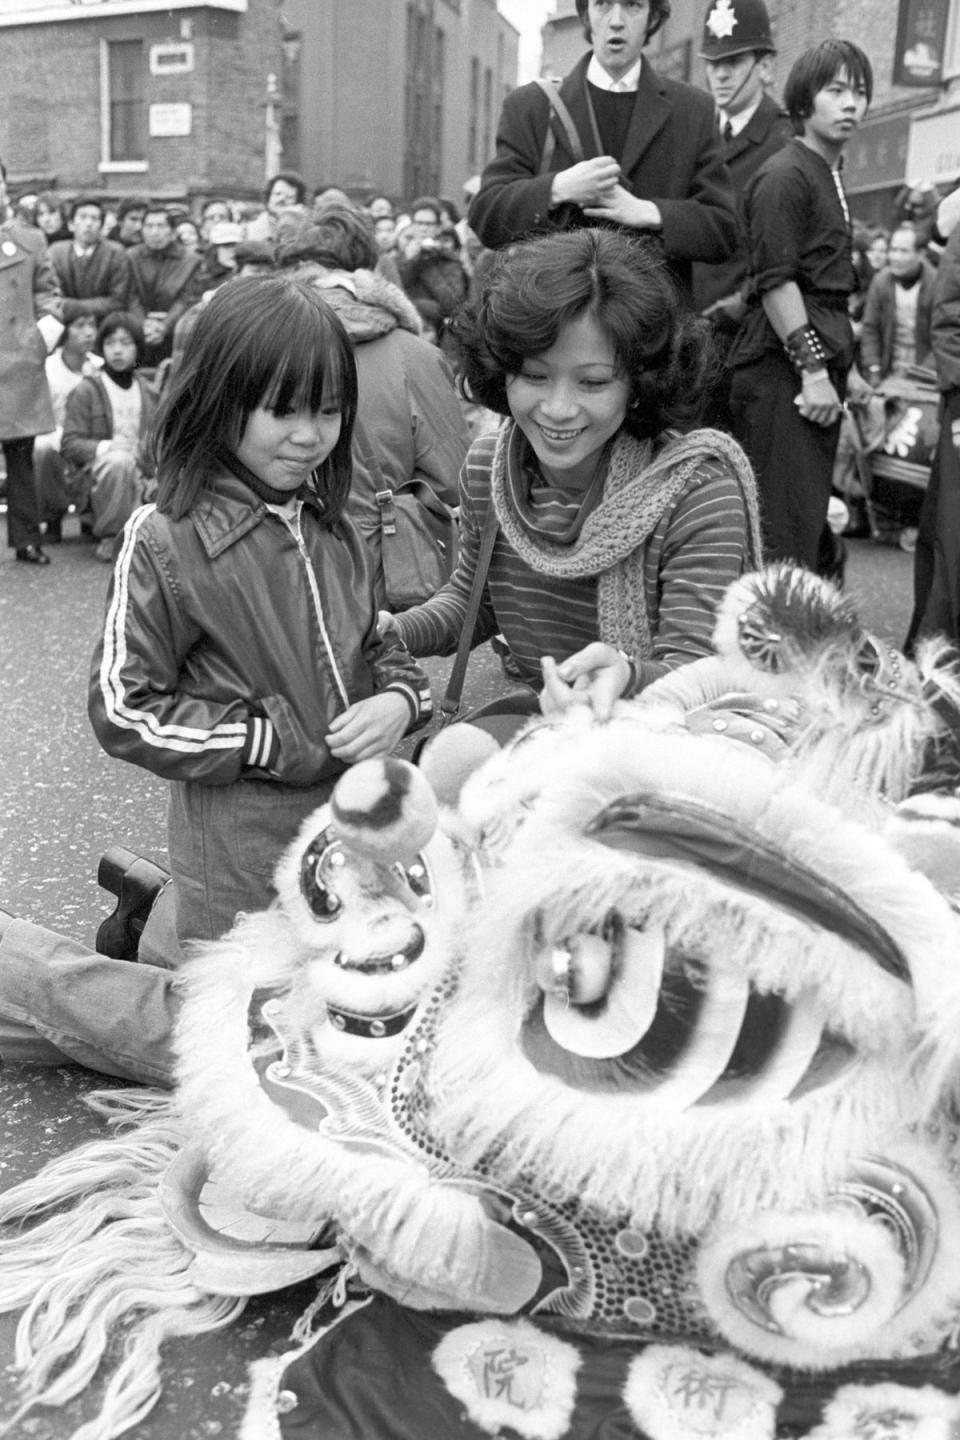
pixel 734 27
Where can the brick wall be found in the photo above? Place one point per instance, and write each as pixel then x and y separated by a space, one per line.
pixel 49 120
pixel 50 101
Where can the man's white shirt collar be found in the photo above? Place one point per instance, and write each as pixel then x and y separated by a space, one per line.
pixel 627 84
pixel 739 121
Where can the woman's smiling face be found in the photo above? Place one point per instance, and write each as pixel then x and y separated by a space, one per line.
pixel 569 400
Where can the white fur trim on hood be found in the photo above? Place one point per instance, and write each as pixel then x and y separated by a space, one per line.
pixel 375 307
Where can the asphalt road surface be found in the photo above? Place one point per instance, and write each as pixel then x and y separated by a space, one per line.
pixel 63 804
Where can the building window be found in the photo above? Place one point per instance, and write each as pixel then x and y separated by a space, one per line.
pixel 676 61
pixel 123 108
pixel 487 112
pixel 290 91
pixel 951 64
pixel 473 128
pixel 423 80
pixel 439 87
pixel 171 59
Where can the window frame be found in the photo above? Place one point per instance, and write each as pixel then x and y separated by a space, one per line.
pixel 109 164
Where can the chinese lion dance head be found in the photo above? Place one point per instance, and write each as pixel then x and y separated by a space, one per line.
pixel 607 1079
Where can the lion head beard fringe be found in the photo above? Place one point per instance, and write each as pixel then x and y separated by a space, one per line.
pixel 91 1256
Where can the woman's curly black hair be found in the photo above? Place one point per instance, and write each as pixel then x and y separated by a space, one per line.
pixel 534 288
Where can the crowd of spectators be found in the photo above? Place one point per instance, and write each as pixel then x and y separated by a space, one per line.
pixel 608 284
pixel 158 263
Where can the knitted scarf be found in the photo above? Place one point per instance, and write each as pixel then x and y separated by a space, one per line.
pixel 640 488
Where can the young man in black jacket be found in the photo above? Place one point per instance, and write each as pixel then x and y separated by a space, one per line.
pixel 793 354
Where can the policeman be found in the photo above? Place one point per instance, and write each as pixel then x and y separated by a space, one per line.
pixel 738 50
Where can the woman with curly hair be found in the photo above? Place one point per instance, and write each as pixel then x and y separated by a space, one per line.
pixel 618 525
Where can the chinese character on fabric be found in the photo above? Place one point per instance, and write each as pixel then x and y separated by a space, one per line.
pixel 889 1412
pixel 677 1393
pixel 509 1373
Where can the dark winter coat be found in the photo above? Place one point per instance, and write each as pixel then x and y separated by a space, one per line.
pixel 88 419
pixel 167 281
pixel 28 290
pixel 945 321
pixel 95 285
pixel 880 322
pixel 409 419
pixel 767 129
pixel 433 275
pixel 672 156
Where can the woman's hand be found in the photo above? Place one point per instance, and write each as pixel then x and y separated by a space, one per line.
pixel 595 676
pixel 369 728
pixel 385 623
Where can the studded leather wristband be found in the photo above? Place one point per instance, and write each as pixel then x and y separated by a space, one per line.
pixel 805 350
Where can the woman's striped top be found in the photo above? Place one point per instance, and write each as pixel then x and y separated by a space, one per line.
pixel 693 554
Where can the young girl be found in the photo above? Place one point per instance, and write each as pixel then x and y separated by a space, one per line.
pixel 240 657
pixel 615 531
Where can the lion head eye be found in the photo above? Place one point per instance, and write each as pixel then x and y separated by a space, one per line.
pixel 322 859
pixel 417 878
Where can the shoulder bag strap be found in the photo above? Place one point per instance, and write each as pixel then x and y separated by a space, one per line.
pixel 450 704
pixel 558 108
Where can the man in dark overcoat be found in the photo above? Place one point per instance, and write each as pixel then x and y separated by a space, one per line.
pixel 625 147
pixel 30 321
pixel 936 574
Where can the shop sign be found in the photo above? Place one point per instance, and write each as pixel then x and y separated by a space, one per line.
pixel 934 150
pixel 169 120
pixel 876 156
pixel 921 32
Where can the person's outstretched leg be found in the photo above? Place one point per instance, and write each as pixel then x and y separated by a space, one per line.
pixel 138 885
pixel 61 1003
